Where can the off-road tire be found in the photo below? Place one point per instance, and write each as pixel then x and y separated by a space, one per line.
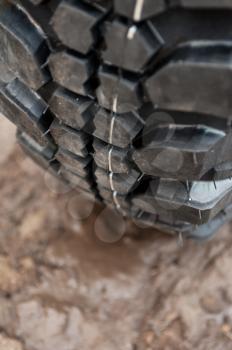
pixel 128 100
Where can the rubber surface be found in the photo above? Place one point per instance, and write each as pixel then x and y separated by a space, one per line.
pixel 127 100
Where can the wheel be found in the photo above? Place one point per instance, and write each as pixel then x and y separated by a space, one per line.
pixel 128 100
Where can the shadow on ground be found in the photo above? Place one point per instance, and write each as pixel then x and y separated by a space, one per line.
pixel 62 288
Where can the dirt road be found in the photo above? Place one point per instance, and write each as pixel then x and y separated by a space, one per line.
pixel 62 288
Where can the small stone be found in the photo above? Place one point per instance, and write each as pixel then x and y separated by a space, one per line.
pixel 226 330
pixel 149 337
pixel 31 224
pixel 212 303
pixel 27 263
pixel 27 269
pixel 9 344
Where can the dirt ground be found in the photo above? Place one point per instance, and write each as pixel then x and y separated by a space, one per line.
pixel 63 288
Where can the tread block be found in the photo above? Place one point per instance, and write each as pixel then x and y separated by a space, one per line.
pixel 23 46
pixel 223 171
pixel 26 109
pixel 123 90
pixel 75 180
pixel 118 130
pixel 71 109
pixel 197 205
pixel 222 4
pixel 198 69
pixel 171 228
pixel 201 232
pixel 207 230
pixel 73 163
pixel 120 183
pixel 180 26
pixel 41 155
pixel 119 157
pixel 5 73
pixel 155 219
pixel 71 18
pixel 69 139
pixel 147 203
pixel 138 10
pixel 130 49
pixel 181 152
pixel 72 71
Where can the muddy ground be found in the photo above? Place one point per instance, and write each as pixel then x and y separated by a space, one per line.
pixel 62 288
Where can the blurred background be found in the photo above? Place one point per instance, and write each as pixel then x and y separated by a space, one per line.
pixel 72 276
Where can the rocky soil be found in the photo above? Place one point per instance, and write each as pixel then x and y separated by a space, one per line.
pixel 63 288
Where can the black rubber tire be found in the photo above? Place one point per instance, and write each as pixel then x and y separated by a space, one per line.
pixel 129 100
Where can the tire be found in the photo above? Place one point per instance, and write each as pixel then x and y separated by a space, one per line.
pixel 128 101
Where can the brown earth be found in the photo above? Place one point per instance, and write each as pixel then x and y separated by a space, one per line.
pixel 62 288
